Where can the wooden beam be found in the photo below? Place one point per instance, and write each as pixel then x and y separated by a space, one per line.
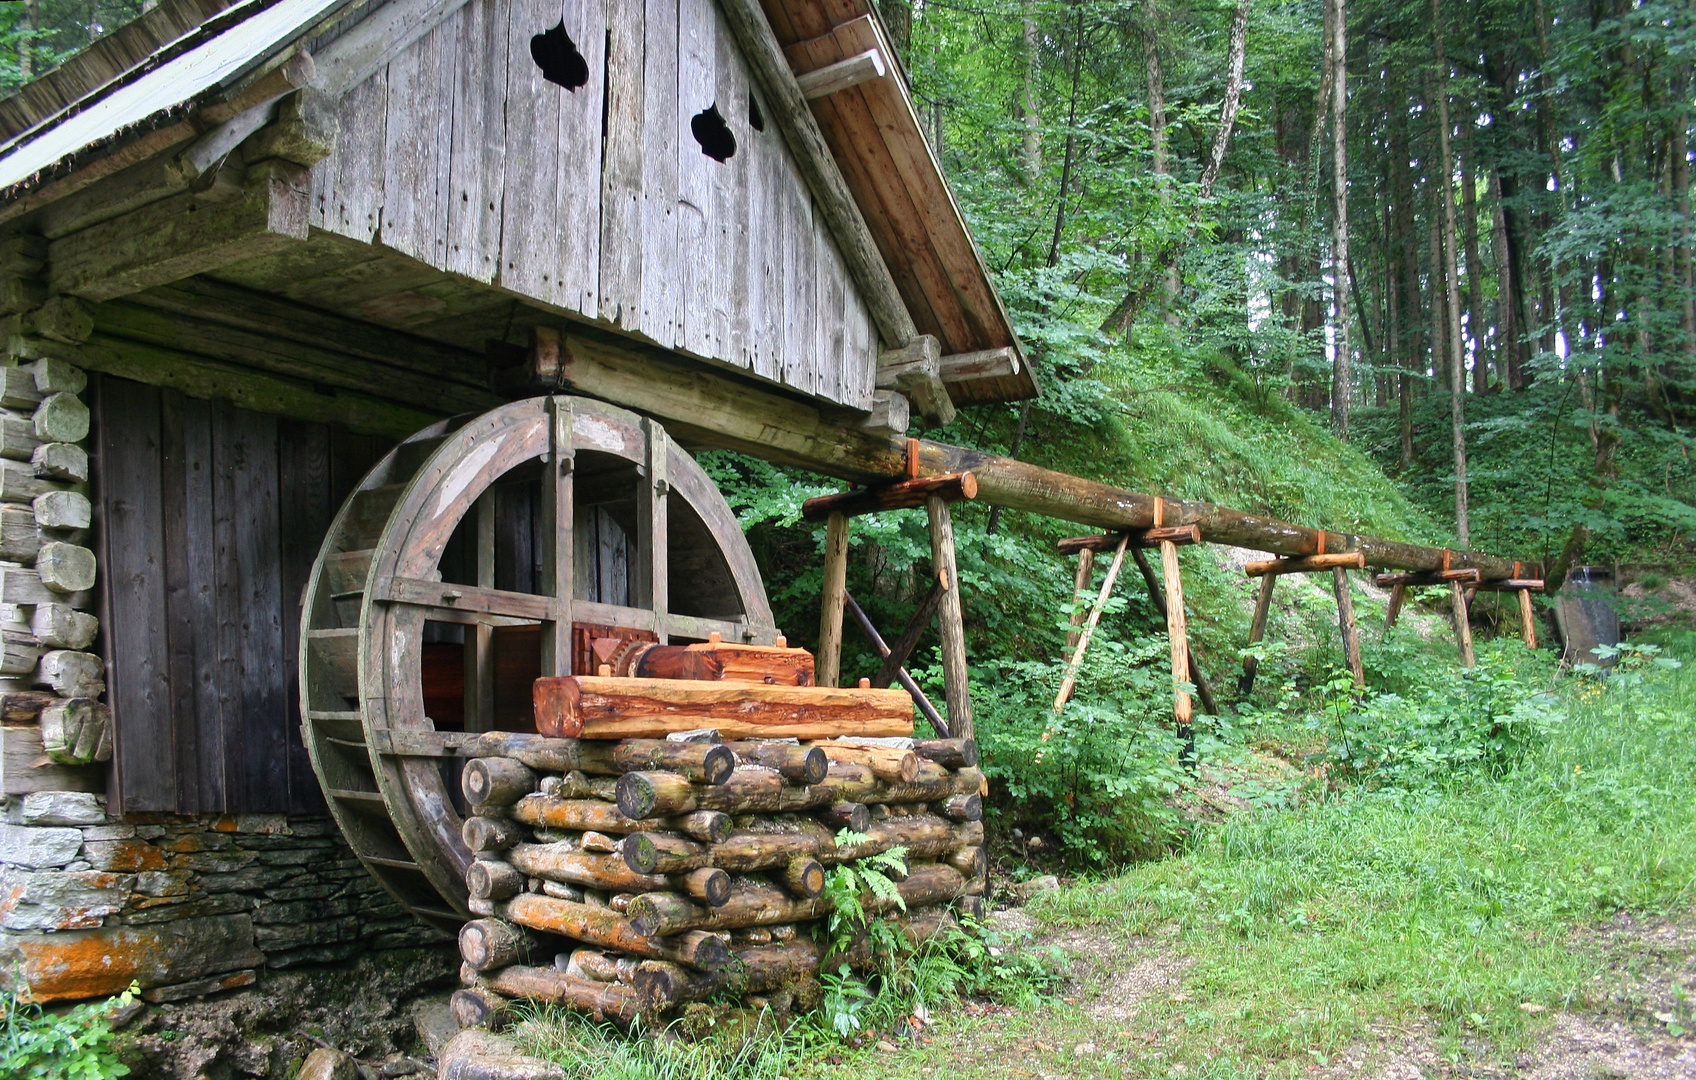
pixel 833 78
pixel 1080 585
pixel 1256 632
pixel 1513 585
pixel 598 707
pixel 722 411
pixel 1527 620
pixel 915 369
pixel 999 363
pixel 1140 538
pixel 1177 632
pixel 896 659
pixel 901 674
pixel 1347 625
pixel 901 495
pixel 183 235
pixel 1070 680
pixel 1157 597
pixel 1307 564
pixel 785 101
pixel 951 619
pixel 1469 576
pixel 1463 624
pixel 832 599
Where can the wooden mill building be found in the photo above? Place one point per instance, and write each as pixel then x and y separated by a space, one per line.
pixel 246 248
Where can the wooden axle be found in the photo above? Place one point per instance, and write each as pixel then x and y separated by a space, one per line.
pixel 1307 564
pixel 901 495
pixel 1142 538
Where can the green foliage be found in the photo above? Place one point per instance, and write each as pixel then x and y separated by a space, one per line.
pixel 845 886
pixel 1459 902
pixel 71 1045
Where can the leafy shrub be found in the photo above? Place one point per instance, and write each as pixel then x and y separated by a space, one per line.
pixel 1464 719
pixel 73 1045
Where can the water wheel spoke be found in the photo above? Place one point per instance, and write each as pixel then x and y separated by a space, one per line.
pixel 465 599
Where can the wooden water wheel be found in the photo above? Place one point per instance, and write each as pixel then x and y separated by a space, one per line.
pixel 479 554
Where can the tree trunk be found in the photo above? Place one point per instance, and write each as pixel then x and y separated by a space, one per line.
pixel 1474 268
pixel 1457 348
pixel 1507 314
pixel 1160 163
pixel 1342 380
pixel 1031 105
pixel 898 18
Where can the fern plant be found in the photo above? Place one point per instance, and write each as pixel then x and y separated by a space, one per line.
pixel 845 887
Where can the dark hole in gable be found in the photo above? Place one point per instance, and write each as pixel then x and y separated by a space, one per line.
pixel 556 54
pixel 713 134
pixel 756 119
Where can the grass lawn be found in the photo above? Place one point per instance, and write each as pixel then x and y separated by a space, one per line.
pixel 1461 930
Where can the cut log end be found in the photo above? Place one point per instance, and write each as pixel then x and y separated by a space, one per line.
pixel 476 1007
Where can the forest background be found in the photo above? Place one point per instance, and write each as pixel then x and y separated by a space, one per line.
pixel 1417 268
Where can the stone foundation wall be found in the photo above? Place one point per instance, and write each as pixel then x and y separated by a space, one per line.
pixel 184 905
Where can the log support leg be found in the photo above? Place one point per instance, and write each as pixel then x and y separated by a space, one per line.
pixel 829 662
pixel 1346 624
pixel 1080 585
pixel 1463 624
pixel 1157 597
pixel 1398 597
pixel 951 618
pixel 1176 629
pixel 1527 620
pixel 1257 631
pixel 1071 680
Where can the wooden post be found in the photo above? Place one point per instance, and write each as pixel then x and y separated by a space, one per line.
pixel 1398 597
pixel 1080 582
pixel 1182 707
pixel 557 547
pixel 829 665
pixel 951 619
pixel 1071 679
pixel 1463 624
pixel 653 526
pixel 1527 620
pixel 1256 631
pixel 480 656
pixel 1203 688
pixel 1346 623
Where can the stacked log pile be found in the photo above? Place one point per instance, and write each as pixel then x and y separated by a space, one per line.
pixel 625 877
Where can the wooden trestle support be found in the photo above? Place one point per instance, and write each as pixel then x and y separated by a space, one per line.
pixel 377 591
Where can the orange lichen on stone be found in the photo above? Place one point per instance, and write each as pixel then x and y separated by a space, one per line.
pixel 98 963
pixel 124 856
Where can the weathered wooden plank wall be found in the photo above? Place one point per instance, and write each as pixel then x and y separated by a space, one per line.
pixel 211 517
pixel 598 200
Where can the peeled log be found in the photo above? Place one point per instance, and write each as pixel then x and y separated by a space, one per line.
pixel 482 833
pixel 926 884
pixel 709 884
pixel 962 807
pixel 756 791
pixel 752 903
pixel 477 1006
pixel 659 853
pixel 699 761
pixel 762 968
pixel 853 816
pixel 496 781
pixel 545 984
pixel 973 862
pixel 800 764
pixel 609 929
pixel 491 943
pixel 488 880
pixel 888 763
pixel 712 660
pixel 563 862
pixel 804 878
pixel 949 753
pixel 603 707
